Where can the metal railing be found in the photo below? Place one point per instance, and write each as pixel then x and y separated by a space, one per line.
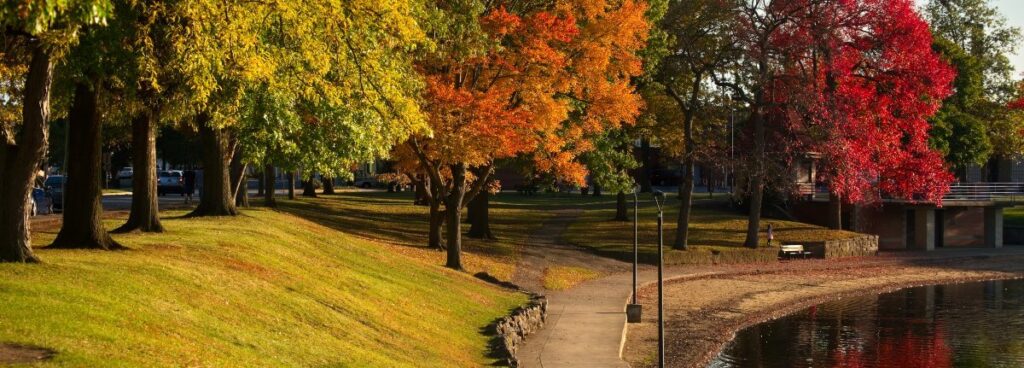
pixel 1002 192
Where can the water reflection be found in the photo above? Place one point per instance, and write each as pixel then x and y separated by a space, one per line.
pixel 965 325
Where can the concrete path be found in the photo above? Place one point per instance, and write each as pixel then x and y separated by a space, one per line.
pixel 585 324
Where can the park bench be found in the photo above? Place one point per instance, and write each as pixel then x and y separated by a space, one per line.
pixel 793 251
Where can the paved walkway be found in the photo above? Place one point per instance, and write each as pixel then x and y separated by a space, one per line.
pixel 585 324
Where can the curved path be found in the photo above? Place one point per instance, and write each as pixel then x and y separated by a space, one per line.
pixel 585 324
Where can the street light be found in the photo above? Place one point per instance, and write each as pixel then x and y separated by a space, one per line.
pixel 634 311
pixel 659 198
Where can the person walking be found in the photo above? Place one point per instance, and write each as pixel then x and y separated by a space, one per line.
pixel 190 184
pixel 771 234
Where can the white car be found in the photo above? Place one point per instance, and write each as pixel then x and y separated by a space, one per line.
pixel 125 173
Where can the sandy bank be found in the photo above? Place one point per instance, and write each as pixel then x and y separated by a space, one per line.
pixel 704 312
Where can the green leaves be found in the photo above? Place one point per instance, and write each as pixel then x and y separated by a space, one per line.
pixel 36 17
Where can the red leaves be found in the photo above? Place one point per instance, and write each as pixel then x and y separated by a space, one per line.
pixel 860 81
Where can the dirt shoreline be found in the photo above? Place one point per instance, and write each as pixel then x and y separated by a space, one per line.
pixel 704 312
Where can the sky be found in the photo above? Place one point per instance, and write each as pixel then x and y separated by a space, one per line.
pixel 1013 11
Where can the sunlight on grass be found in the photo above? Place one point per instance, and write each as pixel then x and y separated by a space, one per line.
pixel 565 277
pixel 261 289
pixel 1013 216
pixel 716 234
pixel 392 218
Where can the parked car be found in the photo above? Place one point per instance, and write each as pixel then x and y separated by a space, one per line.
pixel 42 203
pixel 170 181
pixel 125 173
pixel 54 185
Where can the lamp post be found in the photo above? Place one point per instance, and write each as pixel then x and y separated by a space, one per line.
pixel 659 198
pixel 634 311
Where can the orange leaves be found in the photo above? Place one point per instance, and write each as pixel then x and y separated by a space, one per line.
pixel 474 126
pixel 552 79
pixel 500 23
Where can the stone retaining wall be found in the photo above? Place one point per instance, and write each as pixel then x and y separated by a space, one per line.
pixel 863 245
pixel 513 329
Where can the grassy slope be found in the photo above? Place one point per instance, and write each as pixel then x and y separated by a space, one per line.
pixel 262 289
pixel 392 217
pixel 713 228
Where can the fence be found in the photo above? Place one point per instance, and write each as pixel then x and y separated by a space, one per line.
pixel 1002 192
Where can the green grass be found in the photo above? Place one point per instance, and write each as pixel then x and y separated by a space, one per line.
pixel 391 217
pixel 1013 216
pixel 716 233
pixel 262 289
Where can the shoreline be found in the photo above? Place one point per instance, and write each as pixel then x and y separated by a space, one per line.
pixel 704 312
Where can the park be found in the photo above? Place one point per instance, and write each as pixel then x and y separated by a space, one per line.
pixel 521 183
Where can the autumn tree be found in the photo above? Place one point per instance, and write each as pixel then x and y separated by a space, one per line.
pixel 329 73
pixel 872 93
pixel 112 75
pixel 519 78
pixel 37 34
pixel 854 81
pixel 700 44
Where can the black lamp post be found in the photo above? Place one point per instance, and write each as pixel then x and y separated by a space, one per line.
pixel 659 198
pixel 634 311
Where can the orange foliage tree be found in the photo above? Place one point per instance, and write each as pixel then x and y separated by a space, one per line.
pixel 536 78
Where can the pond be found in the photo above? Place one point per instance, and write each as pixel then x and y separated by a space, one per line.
pixel 961 325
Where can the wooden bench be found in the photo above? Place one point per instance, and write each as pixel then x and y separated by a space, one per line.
pixel 793 251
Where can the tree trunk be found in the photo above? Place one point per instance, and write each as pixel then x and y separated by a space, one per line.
pixel 453 212
pixel 479 212
pixel 685 206
pixel 835 211
pixel 756 184
pixel 145 211
pixel 597 190
pixel 621 211
pixel 686 187
pixel 216 198
pixel 309 187
pixel 18 163
pixel 436 223
pixel 645 166
pixel 83 209
pixel 239 182
pixel 260 184
pixel 421 196
pixel 328 184
pixel 291 185
pixel 269 182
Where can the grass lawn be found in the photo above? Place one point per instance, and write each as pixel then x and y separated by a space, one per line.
pixel 1013 216
pixel 714 229
pixel 116 191
pixel 262 289
pixel 392 217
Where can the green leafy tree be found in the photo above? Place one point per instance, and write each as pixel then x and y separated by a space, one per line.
pixel 701 45
pixel 973 37
pixel 37 35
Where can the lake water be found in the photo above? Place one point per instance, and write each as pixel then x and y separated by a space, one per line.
pixel 963 325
